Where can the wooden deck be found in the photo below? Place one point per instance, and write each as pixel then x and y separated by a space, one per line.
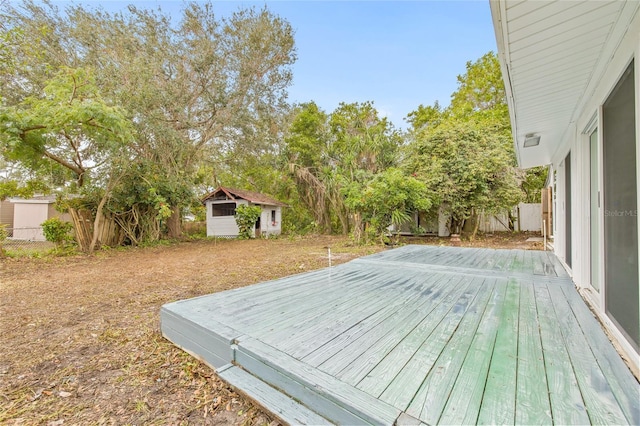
pixel 419 334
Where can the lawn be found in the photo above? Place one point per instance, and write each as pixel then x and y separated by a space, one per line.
pixel 80 341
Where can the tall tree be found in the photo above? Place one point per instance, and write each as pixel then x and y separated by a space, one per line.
pixel 362 140
pixel 198 91
pixel 464 153
pixel 328 153
pixel 306 152
pixel 363 144
pixel 426 116
pixel 480 88
pixel 468 167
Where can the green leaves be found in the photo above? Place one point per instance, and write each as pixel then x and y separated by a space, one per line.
pixel 246 217
pixel 468 167
pixel 69 124
pixel 387 198
pixel 329 155
pixel 198 91
pixel 13 188
pixel 464 154
pixel 57 231
pixel 481 88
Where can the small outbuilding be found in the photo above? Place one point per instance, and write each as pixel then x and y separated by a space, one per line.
pixel 221 209
pixel 28 215
pixel 6 213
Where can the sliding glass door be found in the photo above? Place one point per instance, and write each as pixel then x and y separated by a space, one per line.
pixel 620 207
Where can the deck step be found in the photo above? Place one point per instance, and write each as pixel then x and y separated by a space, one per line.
pixel 285 408
pixel 338 401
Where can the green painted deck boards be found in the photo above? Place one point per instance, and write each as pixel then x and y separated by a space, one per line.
pixel 438 335
pixel 499 398
pixel 532 404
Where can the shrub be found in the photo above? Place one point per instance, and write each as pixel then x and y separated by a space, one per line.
pixel 246 217
pixel 57 231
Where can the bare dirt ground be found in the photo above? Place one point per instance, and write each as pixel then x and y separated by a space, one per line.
pixel 80 338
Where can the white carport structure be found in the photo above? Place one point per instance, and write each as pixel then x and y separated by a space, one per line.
pixel 572 88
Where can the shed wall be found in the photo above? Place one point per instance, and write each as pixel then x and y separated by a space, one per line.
pixel 27 220
pixel 268 226
pixel 6 213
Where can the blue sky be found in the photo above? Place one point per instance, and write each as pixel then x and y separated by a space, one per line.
pixel 398 54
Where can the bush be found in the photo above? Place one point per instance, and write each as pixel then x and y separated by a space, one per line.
pixel 246 217
pixel 57 231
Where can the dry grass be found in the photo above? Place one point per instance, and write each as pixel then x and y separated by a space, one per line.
pixel 80 340
pixel 80 335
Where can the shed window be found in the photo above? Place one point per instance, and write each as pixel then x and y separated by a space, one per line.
pixel 224 209
pixel 273 215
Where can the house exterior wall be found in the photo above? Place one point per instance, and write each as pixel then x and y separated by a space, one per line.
pixel 576 142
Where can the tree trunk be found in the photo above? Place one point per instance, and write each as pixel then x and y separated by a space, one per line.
pixel 472 224
pixel 174 223
pixel 475 228
pixel 343 215
pixel 455 225
pixel 97 223
pixel 358 231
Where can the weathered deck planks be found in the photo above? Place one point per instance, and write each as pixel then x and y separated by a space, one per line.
pixel 532 392
pixel 499 399
pixel 567 405
pixel 436 335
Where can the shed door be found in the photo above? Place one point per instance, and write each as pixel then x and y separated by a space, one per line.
pixel 620 207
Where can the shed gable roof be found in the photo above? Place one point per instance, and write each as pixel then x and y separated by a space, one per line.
pixel 253 197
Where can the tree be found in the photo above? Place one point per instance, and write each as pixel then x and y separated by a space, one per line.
pixel 205 89
pixel 363 144
pixel 362 140
pixel 481 95
pixel 329 153
pixel 389 198
pixel 13 188
pixel 465 153
pixel 469 167
pixel 68 124
pixel 202 92
pixel 426 116
pixel 480 88
pixel 534 180
pixel 306 152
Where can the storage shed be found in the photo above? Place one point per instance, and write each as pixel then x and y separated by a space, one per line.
pixel 221 209
pixel 28 215
pixel 6 213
